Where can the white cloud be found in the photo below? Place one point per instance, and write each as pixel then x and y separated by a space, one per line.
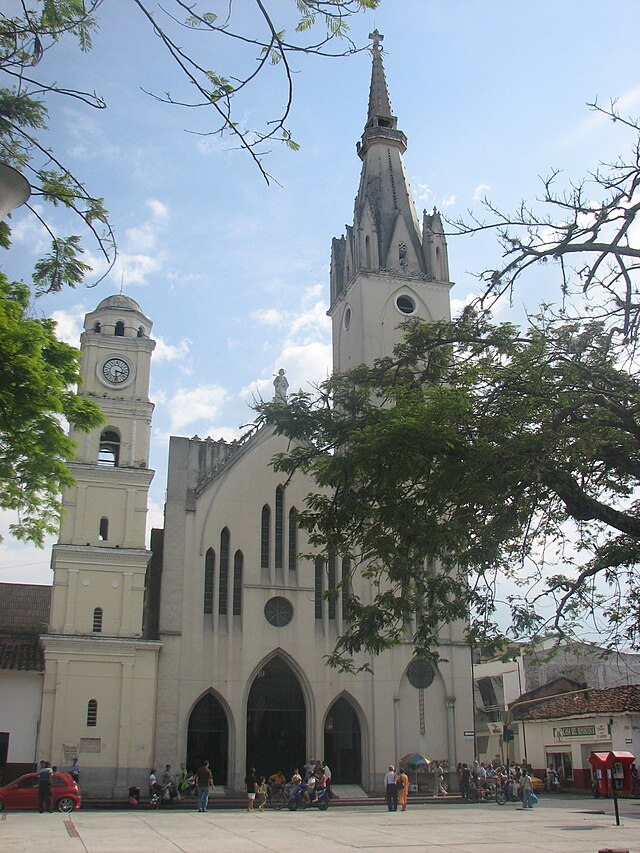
pixel 448 202
pixel 69 324
pixel 423 192
pixel 27 230
pixel 480 191
pixel 268 316
pixel 198 404
pixel 170 352
pixel 158 208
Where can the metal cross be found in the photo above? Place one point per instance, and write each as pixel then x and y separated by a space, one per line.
pixel 376 38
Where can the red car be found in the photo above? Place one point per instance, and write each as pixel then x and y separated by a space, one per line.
pixel 23 793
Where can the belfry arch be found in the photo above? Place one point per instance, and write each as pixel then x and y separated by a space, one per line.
pixel 208 737
pixel 343 742
pixel 276 719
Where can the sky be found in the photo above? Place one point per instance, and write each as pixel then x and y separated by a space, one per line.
pixel 234 272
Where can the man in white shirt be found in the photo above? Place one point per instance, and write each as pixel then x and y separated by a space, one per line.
pixel 391 789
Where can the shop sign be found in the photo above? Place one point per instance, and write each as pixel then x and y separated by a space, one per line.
pixel 574 731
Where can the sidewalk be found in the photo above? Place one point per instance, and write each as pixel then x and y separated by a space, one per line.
pixel 567 825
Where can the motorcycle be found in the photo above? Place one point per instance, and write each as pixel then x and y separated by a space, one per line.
pixel 297 799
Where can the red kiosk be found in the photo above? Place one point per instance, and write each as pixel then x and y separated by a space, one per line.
pixel 612 773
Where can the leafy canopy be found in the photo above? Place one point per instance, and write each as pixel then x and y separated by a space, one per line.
pixel 38 378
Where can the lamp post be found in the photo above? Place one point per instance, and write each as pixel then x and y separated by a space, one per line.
pixel 14 189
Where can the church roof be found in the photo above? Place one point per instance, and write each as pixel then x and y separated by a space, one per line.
pixel 24 615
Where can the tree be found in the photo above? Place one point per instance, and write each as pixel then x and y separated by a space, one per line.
pixel 27 38
pixel 38 376
pixel 588 230
pixel 463 459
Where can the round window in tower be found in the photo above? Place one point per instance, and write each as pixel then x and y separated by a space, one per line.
pixel 346 317
pixel 420 673
pixel 278 611
pixel 405 304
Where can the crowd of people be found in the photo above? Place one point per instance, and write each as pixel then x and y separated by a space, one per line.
pixel 480 781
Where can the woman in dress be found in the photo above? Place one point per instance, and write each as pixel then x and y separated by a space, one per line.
pixel 402 781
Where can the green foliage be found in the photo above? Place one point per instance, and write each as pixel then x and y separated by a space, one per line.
pixel 38 375
pixel 463 458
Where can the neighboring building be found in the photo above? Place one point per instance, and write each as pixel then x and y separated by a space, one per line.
pixel 564 731
pixel 524 679
pixel 213 643
pixel 24 615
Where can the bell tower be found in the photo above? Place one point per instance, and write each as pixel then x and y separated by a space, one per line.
pixel 99 671
pixel 384 270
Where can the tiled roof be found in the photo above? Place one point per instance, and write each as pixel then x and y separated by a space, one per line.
pixel 24 608
pixel 615 700
pixel 21 653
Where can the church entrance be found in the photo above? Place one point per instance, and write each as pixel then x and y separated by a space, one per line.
pixel 343 744
pixel 276 721
pixel 208 737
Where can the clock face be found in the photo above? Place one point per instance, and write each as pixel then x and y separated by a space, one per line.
pixel 116 370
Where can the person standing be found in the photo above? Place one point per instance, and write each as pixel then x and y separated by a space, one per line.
pixel 439 781
pixel 251 787
pixel 527 788
pixel 391 789
pixel 402 784
pixel 45 782
pixel 74 771
pixel 204 781
pixel 327 773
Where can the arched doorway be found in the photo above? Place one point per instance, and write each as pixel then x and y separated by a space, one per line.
pixel 343 743
pixel 276 720
pixel 208 737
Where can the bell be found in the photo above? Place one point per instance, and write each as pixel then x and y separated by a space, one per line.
pixel 14 189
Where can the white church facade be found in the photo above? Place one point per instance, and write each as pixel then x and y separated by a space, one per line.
pixel 211 643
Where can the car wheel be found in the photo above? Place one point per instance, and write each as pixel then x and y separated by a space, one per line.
pixel 65 804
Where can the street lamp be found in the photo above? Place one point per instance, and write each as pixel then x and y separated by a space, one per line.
pixel 14 189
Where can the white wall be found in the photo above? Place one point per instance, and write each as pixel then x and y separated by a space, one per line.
pixel 20 697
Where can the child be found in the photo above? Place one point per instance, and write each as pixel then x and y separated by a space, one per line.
pixel 262 793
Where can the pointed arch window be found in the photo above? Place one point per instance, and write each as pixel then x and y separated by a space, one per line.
pixel 279 527
pixel 238 562
pixel 209 578
pixel 109 450
pixel 223 586
pixel 97 620
pixel 92 712
pixel 331 585
pixel 119 330
pixel 265 536
pixel 367 251
pixel 346 587
pixel 317 599
pixel 293 539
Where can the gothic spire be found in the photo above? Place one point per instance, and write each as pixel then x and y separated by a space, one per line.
pixel 381 123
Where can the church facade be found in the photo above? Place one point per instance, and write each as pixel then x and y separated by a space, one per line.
pixel 212 642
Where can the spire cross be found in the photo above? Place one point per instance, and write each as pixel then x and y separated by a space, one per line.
pixel 377 39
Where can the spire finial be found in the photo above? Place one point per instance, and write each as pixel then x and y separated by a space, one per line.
pixel 377 39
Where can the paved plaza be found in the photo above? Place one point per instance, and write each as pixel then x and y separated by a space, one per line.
pixel 564 825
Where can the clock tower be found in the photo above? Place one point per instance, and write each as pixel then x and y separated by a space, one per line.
pixel 99 692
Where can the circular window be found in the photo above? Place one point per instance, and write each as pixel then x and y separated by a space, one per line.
pixel 346 319
pixel 420 673
pixel 278 612
pixel 405 304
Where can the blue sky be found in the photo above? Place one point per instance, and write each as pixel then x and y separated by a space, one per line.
pixel 234 273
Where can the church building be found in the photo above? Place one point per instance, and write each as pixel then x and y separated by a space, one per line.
pixel 211 643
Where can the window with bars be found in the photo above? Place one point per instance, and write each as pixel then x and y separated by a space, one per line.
pixel 97 620
pixel 209 578
pixel 279 527
pixel 265 536
pixel 331 584
pixel 92 712
pixel 238 561
pixel 319 569
pixel 293 539
pixel 223 588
